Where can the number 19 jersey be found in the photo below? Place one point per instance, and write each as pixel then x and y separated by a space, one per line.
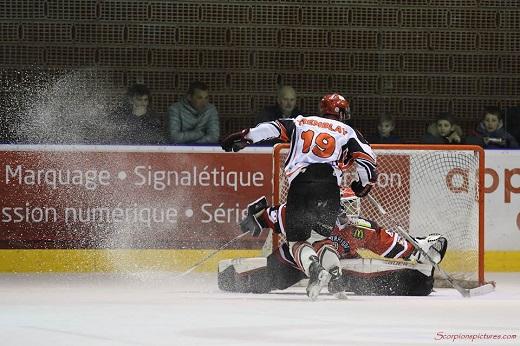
pixel 320 140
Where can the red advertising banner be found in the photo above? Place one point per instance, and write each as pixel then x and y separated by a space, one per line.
pixel 127 197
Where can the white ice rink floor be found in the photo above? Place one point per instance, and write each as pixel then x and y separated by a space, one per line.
pixel 158 309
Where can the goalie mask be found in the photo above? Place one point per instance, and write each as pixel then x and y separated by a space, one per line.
pixel 350 204
pixel 335 104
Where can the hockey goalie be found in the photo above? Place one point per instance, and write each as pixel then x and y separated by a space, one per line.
pixel 362 257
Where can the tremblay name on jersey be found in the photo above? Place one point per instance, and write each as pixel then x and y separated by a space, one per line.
pixel 323 124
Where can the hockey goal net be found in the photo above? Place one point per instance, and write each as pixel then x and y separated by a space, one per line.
pixel 426 189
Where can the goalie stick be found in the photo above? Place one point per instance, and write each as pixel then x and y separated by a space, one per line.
pixel 202 261
pixel 465 292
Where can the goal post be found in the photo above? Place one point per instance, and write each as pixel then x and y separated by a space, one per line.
pixel 426 189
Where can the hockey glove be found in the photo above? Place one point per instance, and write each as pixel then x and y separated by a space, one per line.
pixel 236 141
pixel 250 222
pixel 359 189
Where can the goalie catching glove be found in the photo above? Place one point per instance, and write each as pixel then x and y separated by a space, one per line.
pixel 236 141
pixel 250 222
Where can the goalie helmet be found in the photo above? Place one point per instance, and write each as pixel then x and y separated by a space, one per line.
pixel 350 203
pixel 335 104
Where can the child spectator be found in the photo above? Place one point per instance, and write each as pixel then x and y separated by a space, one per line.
pixel 492 133
pixel 443 131
pixel 134 122
pixel 385 126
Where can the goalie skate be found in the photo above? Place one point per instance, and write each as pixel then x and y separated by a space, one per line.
pixel 318 278
pixel 434 245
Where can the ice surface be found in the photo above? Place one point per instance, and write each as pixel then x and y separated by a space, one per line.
pixel 161 309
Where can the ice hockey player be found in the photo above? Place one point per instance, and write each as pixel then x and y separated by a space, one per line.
pixel 319 145
pixel 397 269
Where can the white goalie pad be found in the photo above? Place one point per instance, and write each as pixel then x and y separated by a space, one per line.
pixel 373 263
pixel 242 265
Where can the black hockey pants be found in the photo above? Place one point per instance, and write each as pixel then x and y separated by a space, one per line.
pixel 313 203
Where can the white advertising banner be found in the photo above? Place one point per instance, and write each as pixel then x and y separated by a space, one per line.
pixel 502 200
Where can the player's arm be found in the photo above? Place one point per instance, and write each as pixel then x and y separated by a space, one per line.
pixel 358 151
pixel 279 129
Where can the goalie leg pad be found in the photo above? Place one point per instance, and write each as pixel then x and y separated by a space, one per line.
pixel 405 282
pixel 244 275
pixel 257 274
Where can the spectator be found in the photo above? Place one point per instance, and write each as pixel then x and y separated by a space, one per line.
pixel 135 121
pixel 193 119
pixel 385 126
pixel 443 131
pixel 491 132
pixel 285 106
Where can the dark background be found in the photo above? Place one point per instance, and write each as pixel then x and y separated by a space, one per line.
pixel 410 57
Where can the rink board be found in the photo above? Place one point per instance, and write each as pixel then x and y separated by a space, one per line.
pixel 96 260
pixel 502 232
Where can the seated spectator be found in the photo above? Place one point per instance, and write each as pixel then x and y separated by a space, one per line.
pixel 385 126
pixel 443 131
pixel 193 119
pixel 135 121
pixel 285 106
pixel 491 133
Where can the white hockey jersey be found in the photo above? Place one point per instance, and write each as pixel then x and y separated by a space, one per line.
pixel 319 140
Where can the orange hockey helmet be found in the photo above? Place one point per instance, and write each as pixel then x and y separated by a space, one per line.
pixel 335 104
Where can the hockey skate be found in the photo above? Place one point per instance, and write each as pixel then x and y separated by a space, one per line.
pixel 318 278
pixel 336 287
pixel 250 222
pixel 434 245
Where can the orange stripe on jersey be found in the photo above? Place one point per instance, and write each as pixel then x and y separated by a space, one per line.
pixel 360 155
pixel 283 132
pixel 345 166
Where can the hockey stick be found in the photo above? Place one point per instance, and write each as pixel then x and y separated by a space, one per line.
pixel 202 261
pixel 465 292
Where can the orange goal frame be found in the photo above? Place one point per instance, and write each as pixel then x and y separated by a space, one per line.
pixel 278 166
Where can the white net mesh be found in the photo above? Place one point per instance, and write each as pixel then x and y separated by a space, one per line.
pixel 425 189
